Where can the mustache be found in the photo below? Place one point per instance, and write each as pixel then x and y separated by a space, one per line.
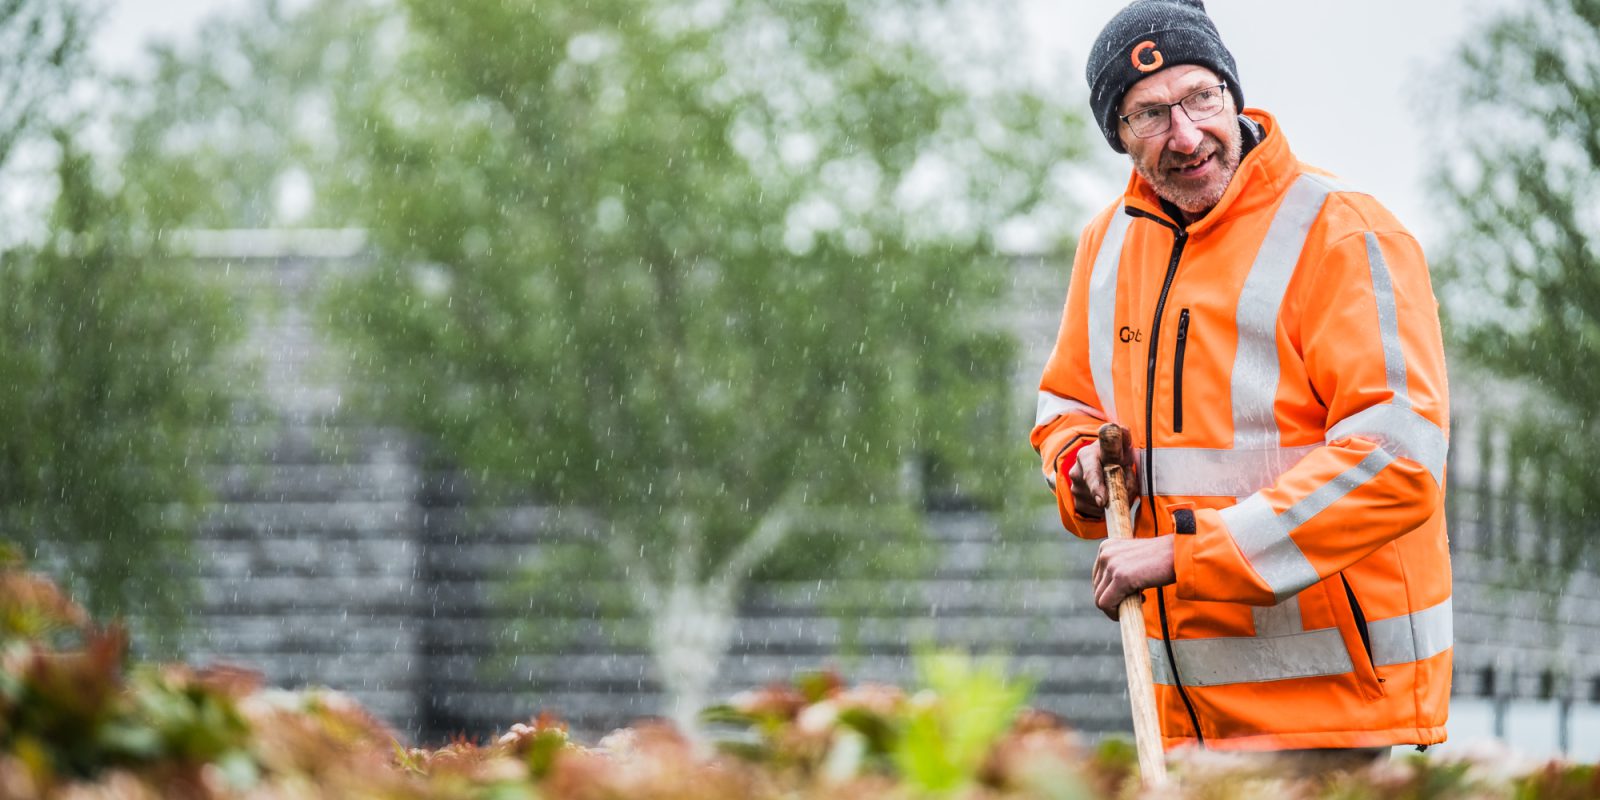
pixel 1208 148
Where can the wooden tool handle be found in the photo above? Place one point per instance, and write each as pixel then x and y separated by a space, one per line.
pixel 1118 522
pixel 1130 614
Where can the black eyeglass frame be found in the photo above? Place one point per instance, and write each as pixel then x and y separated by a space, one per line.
pixel 1169 106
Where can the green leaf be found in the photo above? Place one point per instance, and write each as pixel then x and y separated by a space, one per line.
pixel 968 706
pixel 542 749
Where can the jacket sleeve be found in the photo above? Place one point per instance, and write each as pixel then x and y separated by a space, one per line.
pixel 1371 344
pixel 1069 411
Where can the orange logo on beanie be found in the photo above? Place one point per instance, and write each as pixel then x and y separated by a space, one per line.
pixel 1155 56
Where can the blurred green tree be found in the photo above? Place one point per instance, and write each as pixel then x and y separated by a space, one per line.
pixel 236 128
pixel 109 374
pixel 109 355
pixel 717 275
pixel 1519 161
pixel 44 46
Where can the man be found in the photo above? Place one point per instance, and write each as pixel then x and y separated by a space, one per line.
pixel 1270 340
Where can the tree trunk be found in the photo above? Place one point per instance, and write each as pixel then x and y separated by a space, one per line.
pixel 689 635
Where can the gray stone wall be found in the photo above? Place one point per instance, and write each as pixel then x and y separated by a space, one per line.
pixel 332 557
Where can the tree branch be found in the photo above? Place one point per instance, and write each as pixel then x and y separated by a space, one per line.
pixel 686 552
pixel 645 588
pixel 625 551
pixel 774 527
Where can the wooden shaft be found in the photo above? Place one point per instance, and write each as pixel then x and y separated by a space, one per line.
pixel 1130 615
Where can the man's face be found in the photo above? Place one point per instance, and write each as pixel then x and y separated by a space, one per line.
pixel 1191 163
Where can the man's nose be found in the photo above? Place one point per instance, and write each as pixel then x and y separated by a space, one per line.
pixel 1185 136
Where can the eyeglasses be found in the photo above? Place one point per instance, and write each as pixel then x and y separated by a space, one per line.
pixel 1157 119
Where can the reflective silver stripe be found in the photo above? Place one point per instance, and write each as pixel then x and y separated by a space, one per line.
pixel 1263 536
pixel 1264 540
pixel 1395 426
pixel 1394 359
pixel 1103 312
pixel 1413 637
pixel 1335 490
pixel 1400 432
pixel 1280 619
pixel 1216 662
pixel 1053 405
pixel 1209 472
pixel 1160 670
pixel 1255 364
pixel 1252 659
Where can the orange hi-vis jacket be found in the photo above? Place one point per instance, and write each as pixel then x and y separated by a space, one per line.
pixel 1280 367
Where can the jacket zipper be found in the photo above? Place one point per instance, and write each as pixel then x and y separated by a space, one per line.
pixel 1180 237
pixel 1177 372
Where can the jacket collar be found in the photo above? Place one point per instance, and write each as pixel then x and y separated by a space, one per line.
pixel 1264 172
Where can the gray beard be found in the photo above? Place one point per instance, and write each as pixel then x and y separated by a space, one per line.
pixel 1194 203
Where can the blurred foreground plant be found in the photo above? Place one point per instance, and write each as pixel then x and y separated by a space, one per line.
pixel 76 721
pixel 72 709
pixel 952 727
pixel 967 731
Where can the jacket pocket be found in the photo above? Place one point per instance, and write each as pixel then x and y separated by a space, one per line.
pixel 1177 371
pixel 1360 619
pixel 1357 638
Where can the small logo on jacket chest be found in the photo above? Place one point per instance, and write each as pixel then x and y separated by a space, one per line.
pixel 1128 334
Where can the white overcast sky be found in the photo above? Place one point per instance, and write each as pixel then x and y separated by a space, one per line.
pixel 1344 78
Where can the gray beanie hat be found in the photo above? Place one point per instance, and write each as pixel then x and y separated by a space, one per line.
pixel 1144 37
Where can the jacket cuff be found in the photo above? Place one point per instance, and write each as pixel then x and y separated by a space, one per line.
pixel 1080 526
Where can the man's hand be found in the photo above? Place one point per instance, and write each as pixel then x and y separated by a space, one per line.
pixel 1088 477
pixel 1126 567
